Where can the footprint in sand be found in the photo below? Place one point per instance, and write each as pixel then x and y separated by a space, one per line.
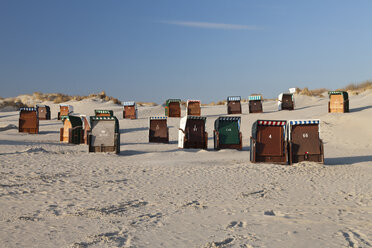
pixel 356 239
pixel 237 224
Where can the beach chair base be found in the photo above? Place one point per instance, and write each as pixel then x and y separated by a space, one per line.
pixel 293 158
pixel 102 148
pixel 159 139
pixel 218 145
pixel 28 130
pixel 197 145
pixel 128 116
pixel 232 112
pixel 254 158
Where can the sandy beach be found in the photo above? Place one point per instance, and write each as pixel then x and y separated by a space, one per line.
pixel 156 195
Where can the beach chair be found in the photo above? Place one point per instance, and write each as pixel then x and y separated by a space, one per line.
pixel 86 128
pixel 105 134
pixel 192 132
pixel 130 110
pixel 233 105
pixel 158 130
pixel 268 142
pixel 65 110
pixel 338 102
pixel 255 104
pixel 304 143
pixel 43 112
pixel 286 101
pixel 173 108
pixel 28 121
pixel 193 107
pixel 227 133
pixel 72 130
pixel 103 112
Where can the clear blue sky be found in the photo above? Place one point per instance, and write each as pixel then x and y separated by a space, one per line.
pixel 193 49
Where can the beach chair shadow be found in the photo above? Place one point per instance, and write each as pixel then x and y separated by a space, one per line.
pixel 360 109
pixel 128 130
pixel 48 132
pixel 10 115
pixel 131 153
pixel 347 160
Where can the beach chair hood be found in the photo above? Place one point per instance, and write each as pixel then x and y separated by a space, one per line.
pixel 255 98
pixel 234 98
pixel 300 122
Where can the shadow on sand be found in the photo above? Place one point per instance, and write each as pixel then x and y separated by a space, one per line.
pixel 305 107
pixel 25 143
pixel 131 153
pixel 48 132
pixel 5 116
pixel 128 130
pixel 347 160
pixel 360 109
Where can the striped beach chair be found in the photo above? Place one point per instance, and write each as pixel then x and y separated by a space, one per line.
pixel 268 141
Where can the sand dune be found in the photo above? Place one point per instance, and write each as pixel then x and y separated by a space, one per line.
pixel 155 195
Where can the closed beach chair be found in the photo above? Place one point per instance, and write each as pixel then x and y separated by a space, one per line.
pixel 233 105
pixel 338 102
pixel 268 142
pixel 193 107
pixel 192 132
pixel 173 108
pixel 286 101
pixel 130 110
pixel 28 121
pixel 227 133
pixel 158 130
pixel 255 104
pixel 43 112
pixel 304 143
pixel 105 134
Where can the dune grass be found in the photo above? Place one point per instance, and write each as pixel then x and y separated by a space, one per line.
pixel 358 88
pixel 38 97
pixel 316 92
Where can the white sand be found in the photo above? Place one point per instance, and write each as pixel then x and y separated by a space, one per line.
pixel 155 195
